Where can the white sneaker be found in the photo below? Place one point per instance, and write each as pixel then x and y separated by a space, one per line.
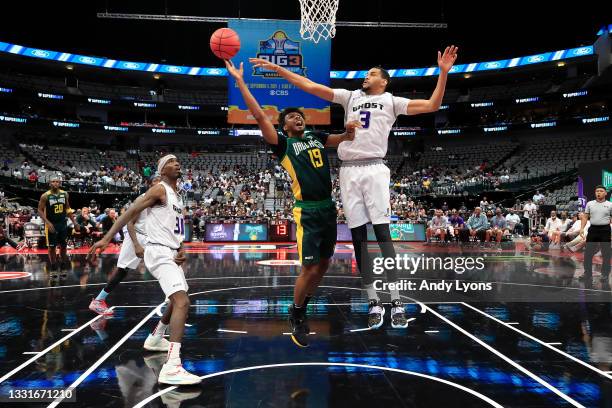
pixel 154 343
pixel 177 375
pixel 375 314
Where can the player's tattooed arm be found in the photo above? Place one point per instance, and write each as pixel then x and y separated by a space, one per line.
pixel 305 84
pixel 264 122
pixel 348 135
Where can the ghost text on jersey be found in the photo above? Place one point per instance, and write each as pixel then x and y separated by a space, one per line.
pixel 368 105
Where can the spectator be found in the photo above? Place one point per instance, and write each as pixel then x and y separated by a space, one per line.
pixel 538 197
pixel 437 226
pixel 499 227
pixel 514 222
pixel 477 225
pixel 457 225
pixel 553 230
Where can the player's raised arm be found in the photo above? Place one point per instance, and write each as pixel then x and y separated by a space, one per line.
pixel 305 84
pixel 445 62
pixel 264 122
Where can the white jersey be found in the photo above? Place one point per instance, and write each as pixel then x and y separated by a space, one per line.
pixel 377 114
pixel 139 225
pixel 164 224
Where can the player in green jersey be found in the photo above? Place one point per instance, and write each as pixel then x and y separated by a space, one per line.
pixel 302 154
pixel 54 208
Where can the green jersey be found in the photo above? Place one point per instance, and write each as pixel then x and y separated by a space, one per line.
pixel 307 163
pixel 56 207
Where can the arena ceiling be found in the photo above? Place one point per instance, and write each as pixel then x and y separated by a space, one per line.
pixel 484 30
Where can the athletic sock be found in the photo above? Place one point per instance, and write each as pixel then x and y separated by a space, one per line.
pixel 372 295
pixel 102 295
pixel 159 330
pixel 174 354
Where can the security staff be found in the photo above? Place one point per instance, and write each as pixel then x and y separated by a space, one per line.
pixel 599 211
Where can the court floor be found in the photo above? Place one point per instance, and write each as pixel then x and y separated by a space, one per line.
pixel 540 338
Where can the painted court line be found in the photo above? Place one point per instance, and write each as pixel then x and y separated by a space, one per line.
pixel 431 331
pixel 231 331
pixel 577 360
pixel 45 351
pixel 91 369
pixel 509 361
pixel 484 398
pixel 188 279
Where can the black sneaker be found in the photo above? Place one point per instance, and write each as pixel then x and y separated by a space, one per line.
pixel 398 315
pixel 299 326
pixel 375 314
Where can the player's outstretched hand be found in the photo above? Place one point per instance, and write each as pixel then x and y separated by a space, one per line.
pixel 350 128
pixel 97 248
pixel 262 63
pixel 446 60
pixel 237 73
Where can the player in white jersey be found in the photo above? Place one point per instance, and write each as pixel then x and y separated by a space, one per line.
pixel 132 251
pixel 163 257
pixel 364 178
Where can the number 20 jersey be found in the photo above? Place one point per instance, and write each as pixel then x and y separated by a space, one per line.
pixel 164 224
pixel 377 114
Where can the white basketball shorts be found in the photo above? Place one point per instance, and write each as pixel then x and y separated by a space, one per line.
pixel 365 194
pixel 127 255
pixel 159 260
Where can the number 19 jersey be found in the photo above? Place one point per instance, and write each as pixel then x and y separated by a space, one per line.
pixel 164 224
pixel 305 160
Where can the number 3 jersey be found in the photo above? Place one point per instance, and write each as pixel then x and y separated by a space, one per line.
pixel 377 114
pixel 305 160
pixel 164 224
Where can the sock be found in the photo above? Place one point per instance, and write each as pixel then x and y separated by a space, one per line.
pixel 372 295
pixel 160 330
pixel 174 354
pixel 102 295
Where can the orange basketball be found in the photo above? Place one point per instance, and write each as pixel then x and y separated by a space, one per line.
pixel 225 43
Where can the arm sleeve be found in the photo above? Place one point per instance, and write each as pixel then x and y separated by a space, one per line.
pixel 342 97
pixel 400 105
pixel 587 210
pixel 280 148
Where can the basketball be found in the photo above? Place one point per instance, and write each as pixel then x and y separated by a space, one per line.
pixel 225 43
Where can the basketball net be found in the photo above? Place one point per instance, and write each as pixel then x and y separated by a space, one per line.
pixel 318 19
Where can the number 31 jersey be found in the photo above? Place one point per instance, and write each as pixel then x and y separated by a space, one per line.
pixel 307 163
pixel 377 114
pixel 164 224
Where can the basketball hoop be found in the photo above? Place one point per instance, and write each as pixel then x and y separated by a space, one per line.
pixel 318 19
